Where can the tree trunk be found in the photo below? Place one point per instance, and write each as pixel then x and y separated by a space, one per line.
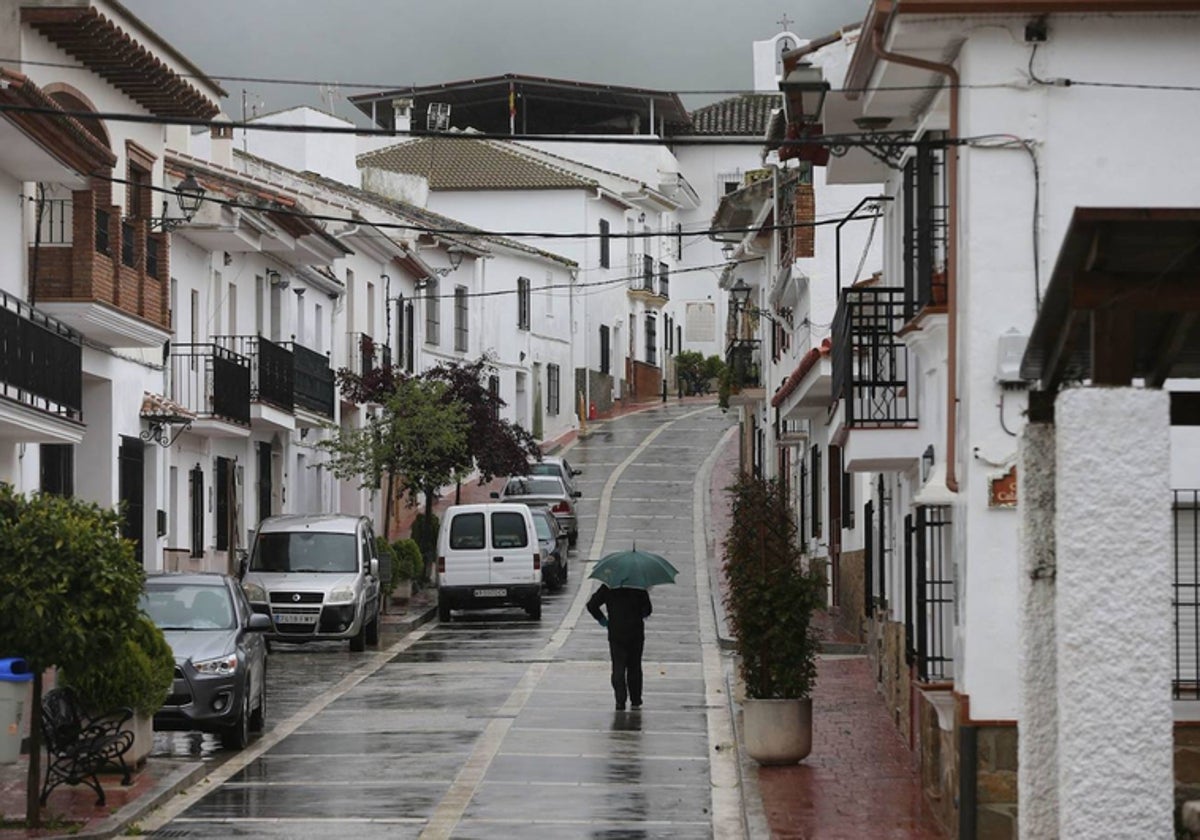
pixel 458 493
pixel 33 806
pixel 387 506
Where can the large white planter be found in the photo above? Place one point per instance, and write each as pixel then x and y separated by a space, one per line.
pixel 142 727
pixel 777 731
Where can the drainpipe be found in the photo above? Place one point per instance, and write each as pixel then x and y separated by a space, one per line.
pixel 951 75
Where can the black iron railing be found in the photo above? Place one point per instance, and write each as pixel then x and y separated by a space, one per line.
pixel 103 245
pixel 152 249
pixel 929 593
pixel 743 357
pixel 57 221
pixel 925 201
pixel 41 360
pixel 211 381
pixel 272 370
pixel 365 354
pixel 1185 594
pixel 313 378
pixel 664 281
pixel 128 238
pixel 870 364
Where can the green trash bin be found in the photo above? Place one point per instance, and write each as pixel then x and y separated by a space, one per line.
pixel 14 683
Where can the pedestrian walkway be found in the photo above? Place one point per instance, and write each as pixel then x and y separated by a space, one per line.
pixel 861 780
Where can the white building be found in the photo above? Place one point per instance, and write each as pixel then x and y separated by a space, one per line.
pixel 998 125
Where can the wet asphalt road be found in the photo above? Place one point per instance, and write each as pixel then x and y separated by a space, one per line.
pixel 494 724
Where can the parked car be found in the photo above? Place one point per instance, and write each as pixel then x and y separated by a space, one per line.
pixel 220 655
pixel 553 540
pixel 317 577
pixel 557 466
pixel 549 491
pixel 489 556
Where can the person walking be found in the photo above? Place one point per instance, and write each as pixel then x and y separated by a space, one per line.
pixel 628 610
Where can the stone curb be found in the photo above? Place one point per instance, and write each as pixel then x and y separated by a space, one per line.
pixel 181 778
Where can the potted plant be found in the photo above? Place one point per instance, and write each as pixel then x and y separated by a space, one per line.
pixel 408 561
pixel 771 598
pixel 137 674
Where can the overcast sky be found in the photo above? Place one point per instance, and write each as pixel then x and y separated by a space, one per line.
pixel 681 45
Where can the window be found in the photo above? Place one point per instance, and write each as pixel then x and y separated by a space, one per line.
pixel 605 349
pixel 508 531
pixel 523 303
pixel 664 280
pixel 196 492
pixel 667 334
pixel 466 531
pixel 647 273
pixel 815 475
pixel 605 243
pixel 460 318
pixel 432 314
pixel 552 389
pixel 678 241
pixel 224 479
pixel 231 307
pixel 494 392
pixel 651 339
pixel 410 326
pixel 401 343
pixel 58 469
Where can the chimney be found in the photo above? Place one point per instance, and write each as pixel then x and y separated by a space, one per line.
pixel 222 143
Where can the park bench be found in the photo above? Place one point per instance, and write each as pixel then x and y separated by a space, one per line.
pixel 78 747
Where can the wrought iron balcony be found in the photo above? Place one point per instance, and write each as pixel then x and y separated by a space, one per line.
pixel 272 369
pixel 743 357
pixel 41 360
pixel 364 354
pixel 211 381
pixel 313 378
pixel 871 369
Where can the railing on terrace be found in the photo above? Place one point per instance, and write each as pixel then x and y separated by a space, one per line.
pixel 870 364
pixel 41 360
pixel 313 378
pixel 57 221
pixel 211 381
pixel 272 370
pixel 103 245
pixel 364 354
pixel 1185 594
pixel 743 357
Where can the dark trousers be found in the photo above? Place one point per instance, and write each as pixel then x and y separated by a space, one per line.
pixel 627 668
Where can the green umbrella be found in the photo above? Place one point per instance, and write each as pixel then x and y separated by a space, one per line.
pixel 634 570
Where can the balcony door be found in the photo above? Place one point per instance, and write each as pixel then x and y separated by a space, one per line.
pixel 131 479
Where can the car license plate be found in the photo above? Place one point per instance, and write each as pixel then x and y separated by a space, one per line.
pixel 295 618
pixel 490 593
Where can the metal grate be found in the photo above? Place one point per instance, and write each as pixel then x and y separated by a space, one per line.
pixel 929 593
pixel 1185 594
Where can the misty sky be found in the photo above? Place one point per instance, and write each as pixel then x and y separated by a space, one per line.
pixel 681 45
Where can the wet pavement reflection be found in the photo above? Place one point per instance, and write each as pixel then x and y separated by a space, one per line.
pixel 494 724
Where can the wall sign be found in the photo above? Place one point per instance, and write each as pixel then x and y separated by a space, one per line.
pixel 1002 489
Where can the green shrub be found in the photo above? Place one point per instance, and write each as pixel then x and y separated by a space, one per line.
pixel 387 565
pixel 138 673
pixel 425 532
pixel 408 559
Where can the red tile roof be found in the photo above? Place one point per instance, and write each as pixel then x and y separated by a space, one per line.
pixel 797 376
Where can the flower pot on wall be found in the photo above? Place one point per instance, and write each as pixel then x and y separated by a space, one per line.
pixel 777 731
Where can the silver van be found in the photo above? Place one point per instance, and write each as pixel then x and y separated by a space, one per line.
pixel 317 577
pixel 489 556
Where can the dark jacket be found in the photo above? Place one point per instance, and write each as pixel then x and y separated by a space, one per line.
pixel 627 609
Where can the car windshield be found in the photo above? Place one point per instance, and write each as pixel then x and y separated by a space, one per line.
pixel 189 607
pixel 534 486
pixel 305 551
pixel 542 468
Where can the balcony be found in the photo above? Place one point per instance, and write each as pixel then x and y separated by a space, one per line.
pixel 873 384
pixel 41 376
pixel 99 274
pixel 743 358
pixel 272 376
pixel 213 383
pixel 642 286
pixel 313 378
pixel 364 355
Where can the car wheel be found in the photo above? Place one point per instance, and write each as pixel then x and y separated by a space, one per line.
pixel 238 735
pixel 358 642
pixel 373 628
pixel 572 539
pixel 535 609
pixel 258 718
pixel 443 611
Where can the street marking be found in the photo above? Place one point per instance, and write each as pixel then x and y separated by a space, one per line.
pixel 234 765
pixel 727 821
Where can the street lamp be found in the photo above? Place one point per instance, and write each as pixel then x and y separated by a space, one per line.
pixel 804 89
pixel 189 195
pixel 740 293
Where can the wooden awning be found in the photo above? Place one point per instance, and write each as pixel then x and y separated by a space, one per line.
pixel 1123 302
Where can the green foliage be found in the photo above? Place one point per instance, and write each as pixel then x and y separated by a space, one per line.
pixel 772 596
pixel 137 673
pixel 724 388
pixel 69 584
pixel 408 559
pixel 425 533
pixel 713 367
pixel 418 436
pixel 387 564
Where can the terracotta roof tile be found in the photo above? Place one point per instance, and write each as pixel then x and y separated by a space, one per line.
pixel 745 115
pixel 467 164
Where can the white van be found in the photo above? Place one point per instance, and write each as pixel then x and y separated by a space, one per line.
pixel 489 556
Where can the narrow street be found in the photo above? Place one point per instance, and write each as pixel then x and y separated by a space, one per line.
pixel 496 724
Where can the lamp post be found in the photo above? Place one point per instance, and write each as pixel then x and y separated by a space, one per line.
pixel 804 89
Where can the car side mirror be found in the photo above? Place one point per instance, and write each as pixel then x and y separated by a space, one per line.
pixel 578 494
pixel 576 472
pixel 259 623
pixel 494 495
pixel 374 566
pixel 241 562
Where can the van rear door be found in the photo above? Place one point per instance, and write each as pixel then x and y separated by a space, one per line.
pixel 513 551
pixel 468 559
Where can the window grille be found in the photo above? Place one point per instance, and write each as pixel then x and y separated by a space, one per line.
pixel 929 591
pixel 433 319
pixel 523 303
pixel 552 389
pixel 605 244
pixel 460 319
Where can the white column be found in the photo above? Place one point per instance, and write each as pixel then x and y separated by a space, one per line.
pixel 1037 746
pixel 1113 614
